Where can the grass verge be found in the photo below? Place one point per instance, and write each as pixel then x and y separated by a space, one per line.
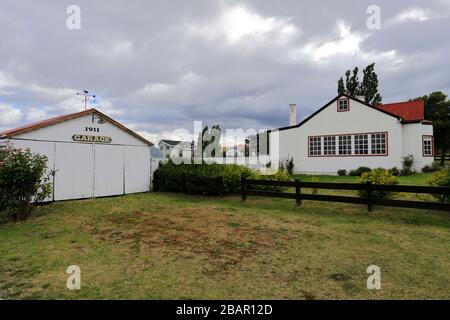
pixel 173 246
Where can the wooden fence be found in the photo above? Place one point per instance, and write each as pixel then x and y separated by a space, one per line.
pixel 370 201
pixel 439 157
pixel 188 184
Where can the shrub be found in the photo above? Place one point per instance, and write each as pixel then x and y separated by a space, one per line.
pixel 440 178
pixel 378 176
pixel 358 172
pixel 231 173
pixel 23 181
pixel 290 166
pixel 394 171
pixel 281 166
pixel 435 166
pixel 232 177
pixel 342 172
pixel 279 176
pixel 407 164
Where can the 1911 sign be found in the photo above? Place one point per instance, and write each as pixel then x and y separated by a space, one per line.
pixel 91 139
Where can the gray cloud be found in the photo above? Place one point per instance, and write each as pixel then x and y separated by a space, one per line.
pixel 160 65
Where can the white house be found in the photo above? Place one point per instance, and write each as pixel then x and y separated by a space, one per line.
pixel 90 154
pixel 347 133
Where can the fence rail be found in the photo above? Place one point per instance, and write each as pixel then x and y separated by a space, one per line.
pixel 370 201
pixel 188 184
pixel 439 157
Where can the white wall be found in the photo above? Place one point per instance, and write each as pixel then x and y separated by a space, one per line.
pixel 359 119
pixel 86 170
pixel 412 143
pixel 65 130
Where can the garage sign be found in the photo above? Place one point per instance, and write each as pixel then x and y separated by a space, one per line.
pixel 92 139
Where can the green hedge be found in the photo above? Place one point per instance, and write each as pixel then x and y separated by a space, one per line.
pixel 231 174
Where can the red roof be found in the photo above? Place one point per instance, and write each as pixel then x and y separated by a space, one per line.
pixel 408 111
pixel 51 121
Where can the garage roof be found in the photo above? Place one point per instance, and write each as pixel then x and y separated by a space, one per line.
pixel 42 124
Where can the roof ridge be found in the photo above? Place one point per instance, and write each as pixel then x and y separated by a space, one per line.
pixel 403 102
pixel 45 123
pixel 49 120
pixel 328 104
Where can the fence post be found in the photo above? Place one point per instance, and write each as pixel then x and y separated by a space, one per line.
pixel 369 195
pixel 243 188
pixel 298 192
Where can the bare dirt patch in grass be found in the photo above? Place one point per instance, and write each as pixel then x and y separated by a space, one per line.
pixel 221 240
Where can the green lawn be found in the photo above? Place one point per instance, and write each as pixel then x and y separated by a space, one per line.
pixel 414 179
pixel 172 246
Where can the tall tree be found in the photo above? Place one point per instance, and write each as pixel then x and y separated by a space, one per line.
pixel 437 109
pixel 341 86
pixel 352 82
pixel 368 87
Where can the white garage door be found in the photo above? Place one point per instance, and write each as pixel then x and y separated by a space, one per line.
pixel 86 170
pixel 74 171
pixel 137 169
pixel 109 175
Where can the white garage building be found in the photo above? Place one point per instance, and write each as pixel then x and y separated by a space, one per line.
pixel 90 154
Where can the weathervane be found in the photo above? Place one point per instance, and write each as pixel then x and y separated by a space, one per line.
pixel 85 94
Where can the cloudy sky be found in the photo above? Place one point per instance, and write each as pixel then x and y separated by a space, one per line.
pixel 159 65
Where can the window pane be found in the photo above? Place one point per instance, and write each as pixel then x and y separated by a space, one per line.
pixel 329 145
pixel 343 105
pixel 379 143
pixel 427 146
pixel 315 146
pixel 361 144
pixel 345 145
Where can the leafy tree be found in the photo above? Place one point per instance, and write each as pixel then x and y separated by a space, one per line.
pixel 23 181
pixel 352 82
pixel 341 86
pixel 368 87
pixel 437 109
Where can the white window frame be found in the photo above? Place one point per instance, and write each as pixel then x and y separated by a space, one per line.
pixel 315 146
pixel 378 143
pixel 365 144
pixel 329 145
pixel 427 139
pixel 345 145
pixel 342 108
